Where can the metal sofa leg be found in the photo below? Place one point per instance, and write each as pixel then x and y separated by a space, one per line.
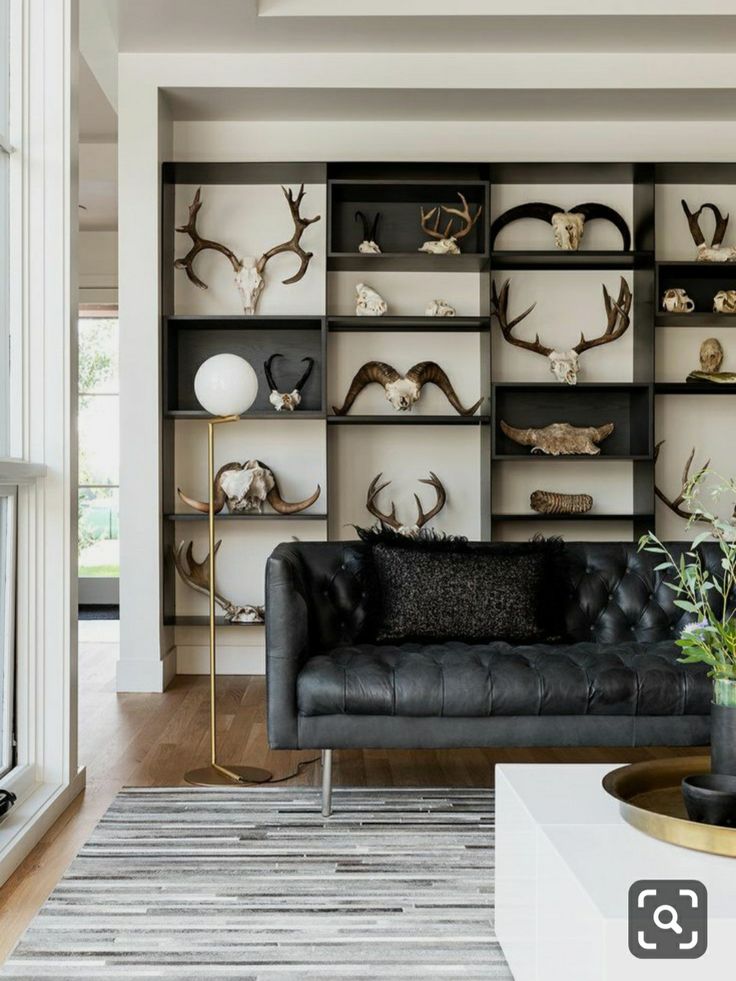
pixel 326 782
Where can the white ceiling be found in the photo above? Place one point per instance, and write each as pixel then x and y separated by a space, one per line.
pixel 403 25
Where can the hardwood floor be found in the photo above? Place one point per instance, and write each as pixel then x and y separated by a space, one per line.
pixel 151 740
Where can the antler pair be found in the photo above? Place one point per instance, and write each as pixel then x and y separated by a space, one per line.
pixel 467 222
pixel 617 320
pixel 403 390
pixel 390 519
pixel 197 576
pixel 693 220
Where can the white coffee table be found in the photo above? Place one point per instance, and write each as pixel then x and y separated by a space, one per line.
pixel 565 860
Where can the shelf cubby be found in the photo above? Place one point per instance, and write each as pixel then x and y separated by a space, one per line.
pixel 701 281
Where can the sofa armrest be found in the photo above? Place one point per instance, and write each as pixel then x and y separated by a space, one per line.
pixel 287 637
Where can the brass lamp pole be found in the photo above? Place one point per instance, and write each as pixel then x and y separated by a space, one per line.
pixel 219 774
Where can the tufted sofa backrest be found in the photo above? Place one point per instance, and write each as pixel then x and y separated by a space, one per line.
pixel 612 593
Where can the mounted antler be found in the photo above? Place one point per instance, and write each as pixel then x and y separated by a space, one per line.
pixel 200 244
pixel 676 504
pixel 447 239
pixel 391 520
pixel 369 244
pixel 617 316
pixel 715 252
pixel 244 487
pixel 196 575
pixel 286 400
pixel 568 226
pixel 565 364
pixel 403 392
pixel 248 270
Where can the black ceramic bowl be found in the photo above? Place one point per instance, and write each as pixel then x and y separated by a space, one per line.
pixel 711 799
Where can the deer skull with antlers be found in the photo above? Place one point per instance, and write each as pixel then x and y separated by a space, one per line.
pixel 444 242
pixel 402 391
pixel 679 504
pixel 565 365
pixel 244 487
pixel 390 519
pixel 715 252
pixel 249 270
pixel 286 400
pixel 197 576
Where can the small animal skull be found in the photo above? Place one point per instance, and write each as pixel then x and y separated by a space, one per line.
pixel 568 230
pixel 442 246
pixel 250 284
pixel 439 308
pixel 565 366
pixel 711 355
pixel 246 490
pixel 245 614
pixel 369 248
pixel 369 303
pixel 725 301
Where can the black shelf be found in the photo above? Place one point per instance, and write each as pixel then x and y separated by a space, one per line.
pixel 558 259
pixel 700 388
pixel 406 262
pixel 204 621
pixel 407 419
pixel 260 416
pixel 271 321
pixel 421 325
pixel 198 516
pixel 695 319
pixel 577 457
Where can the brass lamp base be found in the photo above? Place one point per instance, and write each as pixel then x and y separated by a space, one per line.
pixel 227 776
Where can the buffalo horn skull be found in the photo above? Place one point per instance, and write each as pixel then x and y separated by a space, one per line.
pixel 197 576
pixel 391 520
pixel 403 391
pixel 244 487
pixel 565 365
pixel 286 400
pixel 568 226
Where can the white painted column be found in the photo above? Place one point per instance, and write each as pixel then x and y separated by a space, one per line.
pixel 147 659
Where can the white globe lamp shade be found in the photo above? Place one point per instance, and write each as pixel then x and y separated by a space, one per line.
pixel 226 385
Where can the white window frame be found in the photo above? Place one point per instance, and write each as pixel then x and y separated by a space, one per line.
pixel 43 313
pixel 8 492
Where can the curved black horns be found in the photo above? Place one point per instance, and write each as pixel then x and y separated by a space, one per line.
pixel 591 211
pixel 267 371
pixel 307 372
pixel 534 209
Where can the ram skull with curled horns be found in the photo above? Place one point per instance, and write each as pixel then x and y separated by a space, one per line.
pixel 402 391
pixel 244 487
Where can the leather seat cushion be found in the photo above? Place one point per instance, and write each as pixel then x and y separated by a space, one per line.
pixel 475 680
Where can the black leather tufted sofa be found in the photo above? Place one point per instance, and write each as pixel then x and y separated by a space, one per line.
pixel 616 681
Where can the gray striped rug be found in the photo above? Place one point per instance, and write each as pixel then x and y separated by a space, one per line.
pixel 254 884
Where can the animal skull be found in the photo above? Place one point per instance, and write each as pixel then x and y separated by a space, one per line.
pixel 402 391
pixel 560 438
pixel 568 227
pixel 250 284
pixel 196 575
pixel 565 366
pixel 286 400
pixel 369 303
pixel 439 308
pixel 711 355
pixel 724 301
pixel 442 246
pixel 402 394
pixel 247 489
pixel 369 248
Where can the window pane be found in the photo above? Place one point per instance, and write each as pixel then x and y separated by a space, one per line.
pixel 6 641
pixel 98 355
pixel 4 323
pixel 99 553
pixel 98 440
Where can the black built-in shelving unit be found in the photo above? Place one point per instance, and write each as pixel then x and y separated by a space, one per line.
pixel 397 190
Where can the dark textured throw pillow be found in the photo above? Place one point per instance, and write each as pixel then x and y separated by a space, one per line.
pixel 431 588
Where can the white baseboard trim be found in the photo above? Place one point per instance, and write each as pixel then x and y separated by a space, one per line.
pixel 146 674
pixel 30 819
pixel 195 659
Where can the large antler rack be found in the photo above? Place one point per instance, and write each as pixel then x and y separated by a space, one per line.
pixel 467 221
pixel 200 244
pixel 390 519
pixel 293 244
pixel 675 504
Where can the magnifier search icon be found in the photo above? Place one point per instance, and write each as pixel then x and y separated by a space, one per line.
pixel 671 922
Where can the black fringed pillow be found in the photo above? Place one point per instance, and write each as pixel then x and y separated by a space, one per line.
pixel 434 588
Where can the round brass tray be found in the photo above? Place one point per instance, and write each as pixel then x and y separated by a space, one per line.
pixel 650 799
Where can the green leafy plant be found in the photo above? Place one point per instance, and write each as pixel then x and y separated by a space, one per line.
pixel 710 636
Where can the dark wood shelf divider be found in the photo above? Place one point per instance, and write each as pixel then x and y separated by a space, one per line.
pixel 420 325
pixel 407 419
pixel 559 260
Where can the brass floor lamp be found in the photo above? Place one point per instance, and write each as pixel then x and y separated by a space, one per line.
pixel 226 386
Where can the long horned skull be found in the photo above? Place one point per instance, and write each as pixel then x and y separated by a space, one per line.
pixel 391 520
pixel 565 365
pixel 244 487
pixel 716 251
pixel 197 576
pixel 249 270
pixel 402 391
pixel 286 400
pixel 568 226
